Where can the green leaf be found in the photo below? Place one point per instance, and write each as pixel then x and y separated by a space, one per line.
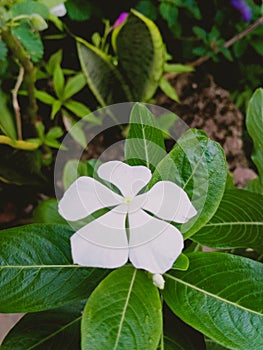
pixel 197 165
pixel 30 40
pixel 144 144
pixel 3 51
pixel 37 272
pixel 54 132
pixel 169 12
pixel 181 263
pixel 74 85
pixel 55 108
pixel 73 169
pixel 123 312
pixel 7 124
pixel 254 186
pixel 148 9
pixel 139 47
pixel 220 295
pixel 254 122
pixel 27 7
pixel 169 89
pixel 177 68
pixel 44 97
pixel 78 108
pixel 237 223
pixel 59 82
pixel 78 10
pixel 212 345
pixel 47 213
pixel 75 129
pixel 103 78
pixel 52 330
pixel 54 61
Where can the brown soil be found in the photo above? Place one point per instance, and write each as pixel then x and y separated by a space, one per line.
pixel 204 105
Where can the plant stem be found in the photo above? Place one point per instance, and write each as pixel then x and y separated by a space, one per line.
pixel 29 70
pixel 16 104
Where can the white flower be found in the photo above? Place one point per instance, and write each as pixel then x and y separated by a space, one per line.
pixel 59 10
pixel 158 281
pixel 147 241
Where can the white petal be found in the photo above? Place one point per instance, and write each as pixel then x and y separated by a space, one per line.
pixel 59 10
pixel 129 179
pixel 101 243
pixel 154 244
pixel 84 197
pixel 168 201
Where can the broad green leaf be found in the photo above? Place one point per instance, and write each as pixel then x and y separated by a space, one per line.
pixel 212 345
pixel 181 263
pixel 7 124
pixel 145 143
pixel 198 165
pixel 103 78
pixel 148 9
pixel 52 330
pixel 254 122
pixel 168 89
pixel 221 296
pixel 27 7
pixel 37 272
pixel 47 212
pixel 59 82
pixel 169 12
pixel 237 223
pixel 123 312
pixel 30 40
pixel 139 47
pixel 254 186
pixel 178 335
pixel 78 10
pixel 74 85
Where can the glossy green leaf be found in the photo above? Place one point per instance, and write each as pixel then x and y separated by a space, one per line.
pixel 74 85
pixel 254 121
pixel 254 186
pixel 123 312
pixel 52 330
pixel 181 263
pixel 145 143
pixel 37 272
pixel 221 296
pixel 78 108
pixel 72 170
pixel 198 165
pixel 47 212
pixel 55 108
pixel 237 223
pixel 44 97
pixel 139 47
pixel 103 78
pixel 212 345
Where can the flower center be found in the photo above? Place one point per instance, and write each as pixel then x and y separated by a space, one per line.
pixel 127 200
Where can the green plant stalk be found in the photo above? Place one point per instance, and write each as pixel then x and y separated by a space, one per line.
pixel 29 77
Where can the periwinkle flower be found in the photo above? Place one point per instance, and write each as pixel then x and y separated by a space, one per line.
pixel 243 8
pixel 135 227
pixel 122 17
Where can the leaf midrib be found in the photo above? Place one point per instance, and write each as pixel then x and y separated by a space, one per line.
pixel 213 295
pixel 61 329
pixel 235 223
pixel 124 310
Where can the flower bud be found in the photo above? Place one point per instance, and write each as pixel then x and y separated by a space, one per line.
pixel 37 22
pixel 158 281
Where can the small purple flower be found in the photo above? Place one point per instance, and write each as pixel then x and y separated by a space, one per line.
pixel 243 8
pixel 122 17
